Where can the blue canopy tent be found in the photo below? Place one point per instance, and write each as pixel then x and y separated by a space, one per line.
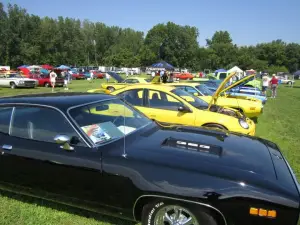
pixel 23 66
pixel 162 65
pixel 297 73
pixel 63 67
pixel 44 71
pixel 220 70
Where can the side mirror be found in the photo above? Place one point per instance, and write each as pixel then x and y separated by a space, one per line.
pixel 183 109
pixel 64 141
pixel 196 94
pixel 102 108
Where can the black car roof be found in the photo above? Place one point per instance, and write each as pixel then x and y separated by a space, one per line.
pixel 62 101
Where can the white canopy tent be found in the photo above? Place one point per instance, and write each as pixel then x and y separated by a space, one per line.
pixel 238 71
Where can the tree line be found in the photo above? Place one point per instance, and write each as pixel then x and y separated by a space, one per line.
pixel 29 39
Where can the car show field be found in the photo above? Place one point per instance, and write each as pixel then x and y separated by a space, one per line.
pixel 278 123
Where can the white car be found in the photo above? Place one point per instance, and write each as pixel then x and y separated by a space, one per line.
pixel 15 80
pixel 286 81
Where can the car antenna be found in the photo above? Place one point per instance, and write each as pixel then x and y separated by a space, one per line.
pixel 124 139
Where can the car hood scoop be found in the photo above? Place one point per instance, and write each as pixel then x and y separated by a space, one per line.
pixel 193 146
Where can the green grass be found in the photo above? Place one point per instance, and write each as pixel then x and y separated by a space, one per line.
pixel 280 123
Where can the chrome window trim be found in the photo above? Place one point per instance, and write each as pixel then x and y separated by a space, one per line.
pixel 50 107
pixel 182 200
pixel 95 102
pixel 11 120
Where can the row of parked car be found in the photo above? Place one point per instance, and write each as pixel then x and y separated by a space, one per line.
pixel 191 103
pixel 143 156
pixel 15 80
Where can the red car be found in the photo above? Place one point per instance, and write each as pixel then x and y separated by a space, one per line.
pixel 44 80
pixel 78 76
pixel 98 74
pixel 183 76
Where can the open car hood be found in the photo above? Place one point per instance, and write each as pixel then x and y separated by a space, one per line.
pixel 240 82
pixel 222 87
pixel 116 76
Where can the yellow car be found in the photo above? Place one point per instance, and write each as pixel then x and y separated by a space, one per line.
pixel 170 105
pixel 121 83
pixel 251 107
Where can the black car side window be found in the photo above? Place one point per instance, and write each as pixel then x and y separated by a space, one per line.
pixel 5 115
pixel 41 124
pixel 134 97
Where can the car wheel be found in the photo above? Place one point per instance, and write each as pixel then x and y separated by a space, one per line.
pixel 111 89
pixel 47 85
pixel 289 83
pixel 12 85
pixel 215 126
pixel 174 213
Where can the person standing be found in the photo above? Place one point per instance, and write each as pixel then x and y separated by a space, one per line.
pixel 53 76
pixel 265 84
pixel 153 74
pixel 66 80
pixel 274 85
pixel 91 76
pixel 164 77
pixel 107 76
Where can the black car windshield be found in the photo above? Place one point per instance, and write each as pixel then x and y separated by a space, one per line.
pixel 204 90
pixel 108 120
pixel 194 101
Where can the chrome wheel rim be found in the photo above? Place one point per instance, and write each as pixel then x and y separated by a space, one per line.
pixel 174 215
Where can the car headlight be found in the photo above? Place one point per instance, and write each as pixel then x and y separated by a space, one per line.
pixel 21 82
pixel 243 124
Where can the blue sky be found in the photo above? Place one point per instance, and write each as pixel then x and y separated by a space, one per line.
pixel 248 22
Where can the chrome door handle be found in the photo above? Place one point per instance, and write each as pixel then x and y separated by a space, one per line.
pixel 7 147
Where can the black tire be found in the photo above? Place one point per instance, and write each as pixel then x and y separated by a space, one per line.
pixel 13 85
pixel 289 83
pixel 199 214
pixel 46 85
pixel 111 89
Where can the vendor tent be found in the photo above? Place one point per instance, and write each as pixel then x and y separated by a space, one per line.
pixel 47 67
pixel 23 66
pixel 220 70
pixel 297 73
pixel 162 65
pixel 33 67
pixel 237 70
pixel 63 67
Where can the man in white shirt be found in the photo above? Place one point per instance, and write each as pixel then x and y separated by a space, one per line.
pixel 53 76
pixel 265 84
pixel 153 74
pixel 91 76
pixel 107 76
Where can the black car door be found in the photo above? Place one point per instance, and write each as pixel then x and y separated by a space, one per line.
pixel 31 161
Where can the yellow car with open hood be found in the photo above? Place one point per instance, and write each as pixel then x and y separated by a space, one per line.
pixel 249 106
pixel 170 105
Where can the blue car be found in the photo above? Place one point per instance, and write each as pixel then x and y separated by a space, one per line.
pixel 239 90
pixel 249 92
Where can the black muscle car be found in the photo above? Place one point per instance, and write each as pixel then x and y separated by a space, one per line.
pixel 95 152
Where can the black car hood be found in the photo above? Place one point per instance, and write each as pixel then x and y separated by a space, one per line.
pixel 235 157
pixel 116 76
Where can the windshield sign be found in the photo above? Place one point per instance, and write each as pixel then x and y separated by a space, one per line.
pixel 108 120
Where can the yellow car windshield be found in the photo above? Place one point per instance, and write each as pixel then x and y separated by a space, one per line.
pixel 194 101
